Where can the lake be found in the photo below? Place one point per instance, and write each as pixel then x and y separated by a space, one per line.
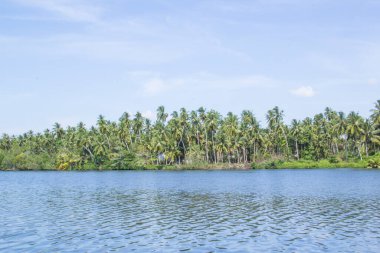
pixel 314 210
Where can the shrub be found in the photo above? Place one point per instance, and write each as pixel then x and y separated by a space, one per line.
pixel 333 159
pixel 65 161
pixel 271 164
pixel 2 156
pixel 195 155
pixel 124 161
pixel 374 163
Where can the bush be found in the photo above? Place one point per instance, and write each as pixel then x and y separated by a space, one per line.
pixel 374 162
pixel 2 156
pixel 124 161
pixel 66 160
pixel 272 164
pixel 25 161
pixel 333 159
pixel 195 155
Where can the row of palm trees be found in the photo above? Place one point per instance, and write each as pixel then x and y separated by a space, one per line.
pixel 201 136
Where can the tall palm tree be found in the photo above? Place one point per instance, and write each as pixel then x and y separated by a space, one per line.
pixel 276 125
pixel 376 113
pixel 354 129
pixel 296 131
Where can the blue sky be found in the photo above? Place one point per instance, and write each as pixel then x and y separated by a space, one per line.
pixel 71 60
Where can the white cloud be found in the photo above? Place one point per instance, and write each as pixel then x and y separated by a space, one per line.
pixel 126 38
pixel 304 91
pixel 154 86
pixel 373 81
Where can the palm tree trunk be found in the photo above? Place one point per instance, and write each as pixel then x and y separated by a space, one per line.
pixel 126 144
pixel 206 147
pixel 345 150
pixel 213 146
pixel 360 155
pixel 91 154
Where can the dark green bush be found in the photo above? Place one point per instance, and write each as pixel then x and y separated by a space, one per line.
pixel 374 161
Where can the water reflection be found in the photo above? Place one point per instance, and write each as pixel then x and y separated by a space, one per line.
pixel 79 215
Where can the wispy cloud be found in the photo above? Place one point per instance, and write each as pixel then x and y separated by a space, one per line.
pixel 133 39
pixel 373 81
pixel 304 91
pixel 69 9
pixel 28 18
pixel 156 84
pixel 154 87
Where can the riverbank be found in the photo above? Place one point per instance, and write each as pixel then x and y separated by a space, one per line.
pixel 308 164
pixel 372 162
pixel 203 166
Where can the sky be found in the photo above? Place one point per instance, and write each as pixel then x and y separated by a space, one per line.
pixel 71 60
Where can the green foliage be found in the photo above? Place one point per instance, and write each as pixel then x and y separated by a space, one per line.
pixel 334 159
pixel 67 161
pixel 2 156
pixel 18 159
pixel 270 164
pixel 195 155
pixel 374 162
pixel 200 139
pixel 306 164
pixel 124 160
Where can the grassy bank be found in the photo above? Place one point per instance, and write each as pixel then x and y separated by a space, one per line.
pixel 306 164
pixel 270 164
pixel 26 161
pixel 368 162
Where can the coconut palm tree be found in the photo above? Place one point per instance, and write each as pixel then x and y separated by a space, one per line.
pixel 296 131
pixel 277 128
pixel 189 136
pixel 354 129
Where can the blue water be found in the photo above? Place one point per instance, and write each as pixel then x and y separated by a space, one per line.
pixel 310 210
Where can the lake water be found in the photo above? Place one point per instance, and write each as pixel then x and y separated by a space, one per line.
pixel 336 210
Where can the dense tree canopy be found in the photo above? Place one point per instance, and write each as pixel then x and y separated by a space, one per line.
pixel 199 136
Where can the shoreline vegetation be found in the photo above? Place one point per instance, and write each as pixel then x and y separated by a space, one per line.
pixel 200 139
pixel 269 164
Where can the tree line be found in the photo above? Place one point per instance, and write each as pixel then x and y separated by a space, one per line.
pixel 194 137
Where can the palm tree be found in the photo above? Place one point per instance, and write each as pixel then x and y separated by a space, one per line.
pixel 137 126
pixel 57 130
pixel 367 135
pixel 296 131
pixel 161 114
pixel 376 113
pixel 276 126
pixel 183 123
pixel 124 130
pixel 231 129
pixel 354 129
pixel 202 116
pixel 212 122
pixel 187 137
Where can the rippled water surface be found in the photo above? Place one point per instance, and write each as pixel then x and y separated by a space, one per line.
pixel 195 211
